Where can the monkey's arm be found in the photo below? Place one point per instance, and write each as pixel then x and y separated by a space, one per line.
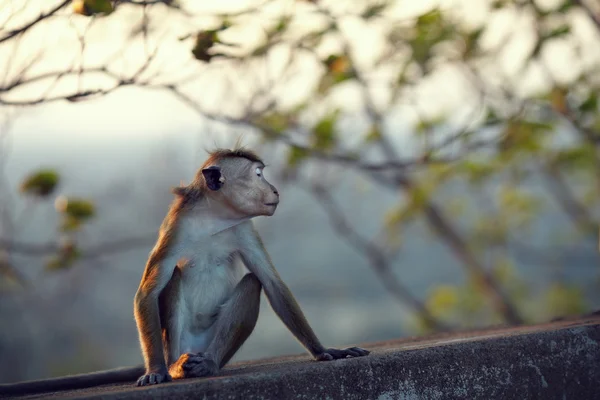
pixel 156 276
pixel 280 297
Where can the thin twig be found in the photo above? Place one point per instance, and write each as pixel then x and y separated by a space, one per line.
pixel 376 257
pixel 566 199
pixel 30 24
pixel 107 248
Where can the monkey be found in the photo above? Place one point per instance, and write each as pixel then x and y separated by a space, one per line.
pixel 196 304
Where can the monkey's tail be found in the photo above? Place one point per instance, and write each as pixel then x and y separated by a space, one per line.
pixel 79 381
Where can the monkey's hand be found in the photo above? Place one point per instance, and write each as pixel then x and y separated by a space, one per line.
pixel 334 354
pixel 153 378
pixel 192 365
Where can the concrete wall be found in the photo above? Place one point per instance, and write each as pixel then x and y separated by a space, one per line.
pixel 560 360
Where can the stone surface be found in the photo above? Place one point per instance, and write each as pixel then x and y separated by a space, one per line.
pixel 559 360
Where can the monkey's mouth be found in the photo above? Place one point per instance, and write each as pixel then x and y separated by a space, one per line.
pixel 271 204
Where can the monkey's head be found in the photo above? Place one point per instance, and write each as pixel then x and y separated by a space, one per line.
pixel 235 179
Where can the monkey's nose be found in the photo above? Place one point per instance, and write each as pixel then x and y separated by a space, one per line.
pixel 274 189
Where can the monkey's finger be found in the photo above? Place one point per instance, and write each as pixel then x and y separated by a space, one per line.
pixel 351 353
pixel 192 362
pixel 143 380
pixel 361 352
pixel 324 357
pixel 200 371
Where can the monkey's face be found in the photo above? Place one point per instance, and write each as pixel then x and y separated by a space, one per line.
pixel 240 185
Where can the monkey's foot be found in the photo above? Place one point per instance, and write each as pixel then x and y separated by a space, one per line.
pixel 153 378
pixel 334 354
pixel 194 366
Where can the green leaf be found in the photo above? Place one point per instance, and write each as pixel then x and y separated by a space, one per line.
pixel 55 264
pixel 296 155
pixel 374 134
pixel 491 118
pixel 477 172
pixel 562 300
pixel 395 216
pixel 537 48
pixel 282 25
pixel 590 104
pixel 498 4
pixel 100 6
pixel 9 277
pixel 70 224
pixel 504 271
pixel 472 297
pixel 204 42
pixel 471 42
pixel 525 137
pixel 518 206
pixel 339 68
pixel 373 10
pixel 425 126
pixel 430 30
pixel 92 7
pixel 489 229
pixel 417 197
pixel 75 208
pixel 262 50
pixel 324 132
pixel 41 183
pixel 430 19
pixel 419 324
pixel 277 122
pixel 582 157
pixel 566 6
pixel 68 254
pixel 557 32
pixel 58 263
pixel 442 300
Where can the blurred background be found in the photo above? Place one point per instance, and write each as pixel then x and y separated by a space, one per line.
pixel 437 162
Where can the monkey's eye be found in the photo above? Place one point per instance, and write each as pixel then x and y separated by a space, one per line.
pixel 258 171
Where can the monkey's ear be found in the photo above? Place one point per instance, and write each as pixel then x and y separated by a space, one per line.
pixel 212 176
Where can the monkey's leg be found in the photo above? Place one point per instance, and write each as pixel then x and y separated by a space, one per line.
pixel 237 320
pixel 233 326
pixel 173 317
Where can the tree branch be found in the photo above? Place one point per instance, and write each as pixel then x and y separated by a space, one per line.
pixel 39 19
pixel 460 248
pixel 567 200
pixel 44 249
pixel 78 95
pixel 379 261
